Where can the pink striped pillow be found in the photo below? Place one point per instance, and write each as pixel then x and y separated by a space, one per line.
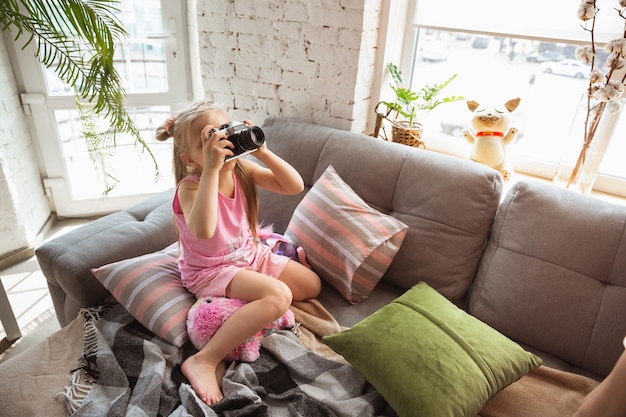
pixel 149 287
pixel 347 242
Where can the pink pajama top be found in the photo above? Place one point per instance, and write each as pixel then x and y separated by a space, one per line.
pixel 208 265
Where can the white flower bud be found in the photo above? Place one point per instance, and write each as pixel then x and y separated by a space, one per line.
pixel 593 88
pixel 585 54
pixel 600 94
pixel 612 93
pixel 596 76
pixel 616 85
pixel 614 62
pixel 616 46
pixel 586 11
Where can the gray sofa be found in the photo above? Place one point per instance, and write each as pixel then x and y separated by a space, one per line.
pixel 543 265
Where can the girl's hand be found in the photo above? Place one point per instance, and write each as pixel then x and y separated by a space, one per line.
pixel 215 147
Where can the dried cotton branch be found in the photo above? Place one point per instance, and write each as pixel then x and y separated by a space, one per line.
pixel 602 89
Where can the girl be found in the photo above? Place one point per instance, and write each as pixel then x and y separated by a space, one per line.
pixel 215 209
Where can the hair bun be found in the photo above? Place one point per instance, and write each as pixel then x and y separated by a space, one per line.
pixel 168 126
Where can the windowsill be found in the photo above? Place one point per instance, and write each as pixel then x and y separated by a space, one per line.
pixel 610 198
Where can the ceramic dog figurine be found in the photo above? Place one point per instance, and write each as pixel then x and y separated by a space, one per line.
pixel 493 132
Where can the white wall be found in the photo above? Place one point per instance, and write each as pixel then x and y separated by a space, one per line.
pixel 310 60
pixel 24 207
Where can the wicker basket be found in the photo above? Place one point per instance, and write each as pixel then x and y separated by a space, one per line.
pixel 411 136
pixel 400 131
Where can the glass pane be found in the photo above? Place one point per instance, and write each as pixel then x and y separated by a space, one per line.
pixel 55 86
pixel 133 168
pixel 141 61
pixel 554 19
pixel 492 70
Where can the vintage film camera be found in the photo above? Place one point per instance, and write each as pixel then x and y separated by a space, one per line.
pixel 245 138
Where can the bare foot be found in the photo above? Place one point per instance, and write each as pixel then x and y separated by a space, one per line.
pixel 201 374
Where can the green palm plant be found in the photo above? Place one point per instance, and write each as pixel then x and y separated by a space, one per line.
pixel 76 39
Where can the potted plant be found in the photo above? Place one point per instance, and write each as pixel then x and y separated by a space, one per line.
pixel 409 103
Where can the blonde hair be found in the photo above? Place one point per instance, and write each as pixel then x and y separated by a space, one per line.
pixel 179 127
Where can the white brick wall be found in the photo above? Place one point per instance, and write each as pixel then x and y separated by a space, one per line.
pixel 310 60
pixel 24 208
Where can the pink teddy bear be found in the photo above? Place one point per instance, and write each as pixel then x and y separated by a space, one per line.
pixel 207 315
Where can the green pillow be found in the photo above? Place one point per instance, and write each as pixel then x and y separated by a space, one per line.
pixel 427 357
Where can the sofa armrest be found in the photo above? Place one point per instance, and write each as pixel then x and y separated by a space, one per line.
pixel 66 261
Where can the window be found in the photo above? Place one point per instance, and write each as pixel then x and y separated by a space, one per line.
pixel 505 50
pixel 156 73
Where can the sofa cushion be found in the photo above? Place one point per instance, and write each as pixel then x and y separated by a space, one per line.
pixel 348 243
pixel 149 287
pixel 552 276
pixel 67 260
pixel 427 357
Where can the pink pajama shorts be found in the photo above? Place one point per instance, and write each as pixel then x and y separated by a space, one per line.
pixel 212 281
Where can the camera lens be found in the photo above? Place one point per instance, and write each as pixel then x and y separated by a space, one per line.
pixel 251 138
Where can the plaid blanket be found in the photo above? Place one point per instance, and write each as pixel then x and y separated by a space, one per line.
pixel 127 371
pixel 290 380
